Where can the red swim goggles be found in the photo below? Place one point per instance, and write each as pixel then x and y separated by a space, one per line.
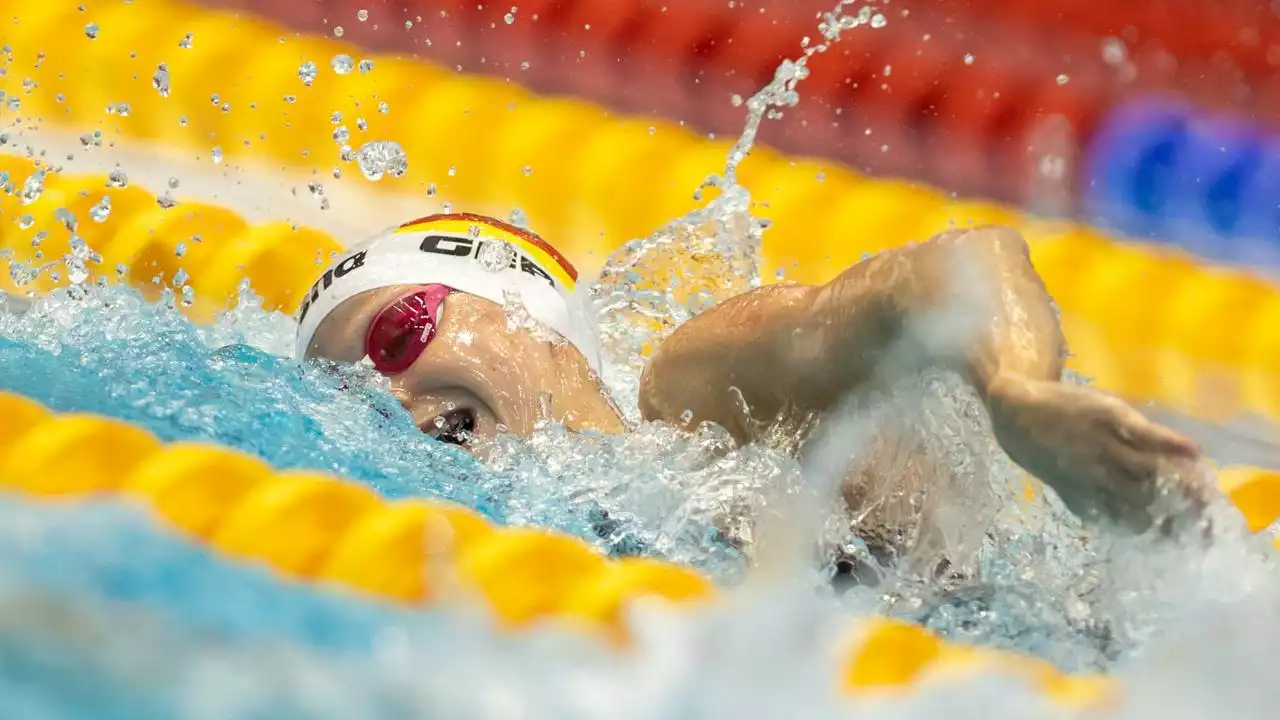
pixel 403 329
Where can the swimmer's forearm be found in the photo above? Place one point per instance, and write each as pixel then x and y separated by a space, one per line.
pixel 784 351
pixel 968 301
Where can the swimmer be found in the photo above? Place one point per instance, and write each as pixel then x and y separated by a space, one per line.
pixel 428 305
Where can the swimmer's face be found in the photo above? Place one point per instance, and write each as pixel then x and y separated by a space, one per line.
pixel 475 379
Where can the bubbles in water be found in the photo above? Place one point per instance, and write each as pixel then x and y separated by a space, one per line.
pixel 160 81
pixel 343 64
pixel 91 31
pixel 307 73
pixel 377 157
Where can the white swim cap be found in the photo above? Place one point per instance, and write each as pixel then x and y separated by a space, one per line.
pixel 469 253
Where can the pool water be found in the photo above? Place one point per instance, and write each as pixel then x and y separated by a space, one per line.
pixel 103 614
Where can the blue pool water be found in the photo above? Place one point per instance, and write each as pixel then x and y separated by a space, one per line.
pixel 104 615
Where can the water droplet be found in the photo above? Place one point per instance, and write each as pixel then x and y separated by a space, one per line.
pixel 341 134
pixel 91 140
pixel 216 154
pixel 343 64
pixel 431 189
pixel 366 66
pixel 173 183
pixel 686 416
pixel 188 296
pixel 528 171
pixel 26 221
pixel 968 59
pixel 1063 79
pixel 653 130
pixel 181 277
pixel 1114 50
pixel 215 99
pixel 66 218
pixel 180 250
pixel 185 42
pixel 32 188
pixel 101 210
pixel 316 187
pixel 408 24
pixel 91 31
pixel 120 108
pixel 362 15
pixel 509 18
pixel 77 273
pixel 518 218
pixel 337 173
pixel 160 81
pixel 377 157
pixel 362 123
pixel 495 255
pixel 307 73
pixel 117 179
pixel 383 107
pixel 338 31
pixel 878 21
pixel 452 171
pixel 166 200
pixel 524 65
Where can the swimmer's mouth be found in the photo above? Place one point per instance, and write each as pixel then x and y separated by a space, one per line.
pixel 455 427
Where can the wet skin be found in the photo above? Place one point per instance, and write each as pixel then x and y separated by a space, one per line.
pixel 965 301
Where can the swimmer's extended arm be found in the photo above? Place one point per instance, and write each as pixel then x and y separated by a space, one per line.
pixel 968 301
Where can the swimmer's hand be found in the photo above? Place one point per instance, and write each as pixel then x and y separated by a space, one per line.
pixel 1102 457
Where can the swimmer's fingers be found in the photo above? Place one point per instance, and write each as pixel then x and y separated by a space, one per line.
pixel 1136 431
